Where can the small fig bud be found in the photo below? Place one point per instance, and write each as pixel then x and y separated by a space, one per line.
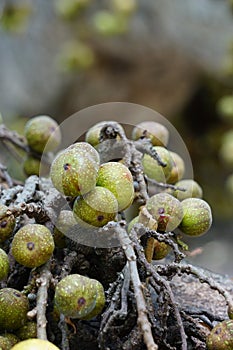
pixel 156 132
pixel 4 264
pixel 220 338
pixel 7 223
pixel 191 189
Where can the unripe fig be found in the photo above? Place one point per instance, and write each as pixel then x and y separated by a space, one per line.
pixel 4 264
pixel 13 309
pixel 85 148
pixel 192 189
pixel 97 207
pixel 117 178
pixel 35 344
pixel 166 210
pixel 65 221
pixel 42 131
pixel 156 132
pixel 220 338
pixel 93 134
pixel 33 166
pixel 155 171
pixel 226 149
pixel 75 296
pixel 132 223
pixel 70 9
pixel 74 173
pixel 108 23
pixel 7 223
pixel 100 302
pixel 29 330
pixel 11 338
pixel 32 245
pixel 177 170
pixel 197 217
pixel 5 343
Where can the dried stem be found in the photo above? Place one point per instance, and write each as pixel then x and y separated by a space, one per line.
pixel 42 298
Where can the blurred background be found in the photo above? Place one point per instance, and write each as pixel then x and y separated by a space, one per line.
pixel 176 57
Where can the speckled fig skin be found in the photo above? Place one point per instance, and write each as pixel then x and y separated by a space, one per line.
pixel 85 148
pixel 117 178
pixel 192 189
pixel 155 171
pixel 32 245
pixel 29 330
pixel 7 223
pixel 65 221
pixel 33 166
pixel 5 343
pixel 166 209
pixel 13 309
pixel 75 296
pixel 11 338
pixel 156 132
pixel 93 134
pixel 197 217
pixel 97 207
pixel 221 336
pixel 35 344
pixel 73 173
pixel 100 302
pixel 4 264
pixel 178 168
pixel 42 131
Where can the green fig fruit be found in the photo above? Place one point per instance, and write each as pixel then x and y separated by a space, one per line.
pixel 155 171
pixel 7 223
pixel 13 309
pixel 191 187
pixel 32 245
pixel 42 131
pixel 85 148
pixel 166 210
pixel 97 207
pixel 64 223
pixel 177 170
pixel 156 132
pixel 220 337
pixel 5 344
pixel 132 223
pixel 117 178
pixel 100 302
pixel 74 173
pixel 75 296
pixel 35 344
pixel 93 134
pixel 29 330
pixel 4 264
pixel 197 217
pixel 34 166
pixel 11 338
pixel 69 9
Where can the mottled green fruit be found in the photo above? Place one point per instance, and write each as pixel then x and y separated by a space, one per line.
pixel 75 296
pixel 32 245
pixel 225 107
pixel 156 132
pixel 117 178
pixel 4 264
pixel 7 223
pixel 42 131
pixel 93 134
pixel 35 344
pixel 100 302
pixel 29 330
pixel 70 8
pixel 73 173
pixel 161 250
pixel 64 223
pixel 221 336
pixel 166 210
pixel 197 217
pixel 108 23
pixel 155 171
pixel 178 168
pixel 12 338
pixel 5 343
pixel 33 166
pixel 132 223
pixel 97 207
pixel 85 148
pixel 13 309
pixel 226 149
pixel 192 189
